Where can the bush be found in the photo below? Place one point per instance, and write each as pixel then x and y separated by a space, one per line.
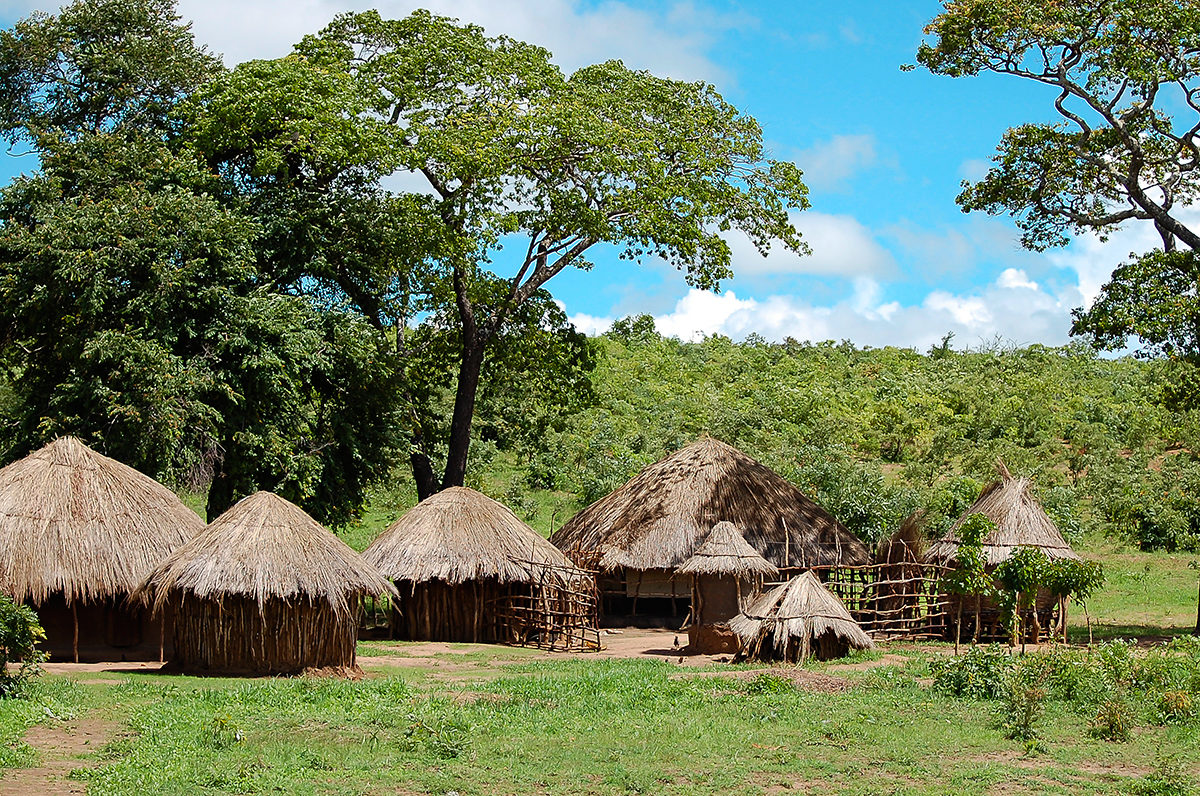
pixel 1112 721
pixel 1022 704
pixel 19 634
pixel 982 673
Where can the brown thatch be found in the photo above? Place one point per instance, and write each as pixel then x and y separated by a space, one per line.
pixel 796 620
pixel 264 588
pixel 78 531
pixel 726 552
pixel 78 524
pixel 1020 522
pixel 459 535
pixel 657 520
pixel 469 570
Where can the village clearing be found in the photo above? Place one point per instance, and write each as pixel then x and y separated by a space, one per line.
pixel 483 719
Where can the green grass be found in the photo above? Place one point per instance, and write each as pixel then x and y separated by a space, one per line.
pixel 49 700
pixel 597 726
pixel 1144 595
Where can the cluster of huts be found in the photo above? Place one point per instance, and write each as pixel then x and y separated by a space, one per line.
pixel 118 568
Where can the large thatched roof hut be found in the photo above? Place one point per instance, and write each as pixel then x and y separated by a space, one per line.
pixel 1020 522
pixel 264 589
pixel 78 531
pixel 797 620
pixel 643 531
pixel 725 570
pixel 468 569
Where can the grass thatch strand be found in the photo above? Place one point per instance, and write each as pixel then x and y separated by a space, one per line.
pixel 795 616
pixel 1020 522
pixel 726 552
pixel 266 548
pixel 75 522
pixel 658 519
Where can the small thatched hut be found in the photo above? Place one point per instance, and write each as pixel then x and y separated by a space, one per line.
pixel 640 533
pixel 725 571
pixel 798 620
pixel 264 589
pixel 1020 522
pixel 78 531
pixel 469 570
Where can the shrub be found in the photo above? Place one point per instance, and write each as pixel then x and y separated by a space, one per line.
pixel 1022 704
pixel 981 673
pixel 19 634
pixel 1112 721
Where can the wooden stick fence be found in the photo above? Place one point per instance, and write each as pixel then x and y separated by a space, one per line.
pixel 559 611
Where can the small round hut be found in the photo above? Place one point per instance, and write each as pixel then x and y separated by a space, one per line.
pixel 640 533
pixel 78 531
pixel 1020 522
pixel 264 589
pixel 798 620
pixel 468 569
pixel 725 570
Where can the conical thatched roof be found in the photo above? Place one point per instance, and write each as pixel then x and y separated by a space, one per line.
pixel 265 547
pixel 657 520
pixel 726 552
pixel 460 535
pixel 76 522
pixel 801 609
pixel 1020 522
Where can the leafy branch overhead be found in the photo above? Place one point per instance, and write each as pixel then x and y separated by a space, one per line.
pixel 1114 67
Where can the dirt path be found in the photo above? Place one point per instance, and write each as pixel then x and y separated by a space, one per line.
pixel 62 749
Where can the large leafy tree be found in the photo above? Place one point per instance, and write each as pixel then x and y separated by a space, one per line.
pixel 516 154
pixel 1125 77
pixel 136 311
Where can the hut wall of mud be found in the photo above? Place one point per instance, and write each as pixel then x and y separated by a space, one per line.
pixel 234 636
pixel 106 630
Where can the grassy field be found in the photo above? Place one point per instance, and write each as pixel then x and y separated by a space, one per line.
pixel 496 720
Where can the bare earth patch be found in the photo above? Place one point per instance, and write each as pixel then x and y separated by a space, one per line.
pixel 62 749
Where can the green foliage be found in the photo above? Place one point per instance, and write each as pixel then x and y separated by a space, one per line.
pixel 1021 706
pixel 20 633
pixel 1170 777
pixel 981 673
pixel 971 575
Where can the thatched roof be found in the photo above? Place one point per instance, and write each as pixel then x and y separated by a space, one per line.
pixel 77 522
pixel 460 535
pixel 726 552
pixel 658 519
pixel 1020 522
pixel 801 609
pixel 265 547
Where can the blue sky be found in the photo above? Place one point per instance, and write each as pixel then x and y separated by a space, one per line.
pixel 894 261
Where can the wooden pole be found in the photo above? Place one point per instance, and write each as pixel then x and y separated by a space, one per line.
pixel 75 616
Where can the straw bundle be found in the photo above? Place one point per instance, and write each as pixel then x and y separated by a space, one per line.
pixel 459 535
pixel 657 519
pixel 1020 522
pixel 79 524
pixel 798 619
pixel 726 552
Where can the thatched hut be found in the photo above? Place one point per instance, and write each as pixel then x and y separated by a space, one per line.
pixel 797 620
pixel 640 533
pixel 1020 522
pixel 725 571
pixel 264 589
pixel 468 569
pixel 78 531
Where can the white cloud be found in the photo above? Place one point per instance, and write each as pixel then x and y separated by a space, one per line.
pixel 828 165
pixel 1016 278
pixel 672 43
pixel 841 246
pixel 1011 308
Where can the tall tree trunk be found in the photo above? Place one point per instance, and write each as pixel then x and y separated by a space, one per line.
pixel 464 410
pixel 422 470
pixel 220 495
